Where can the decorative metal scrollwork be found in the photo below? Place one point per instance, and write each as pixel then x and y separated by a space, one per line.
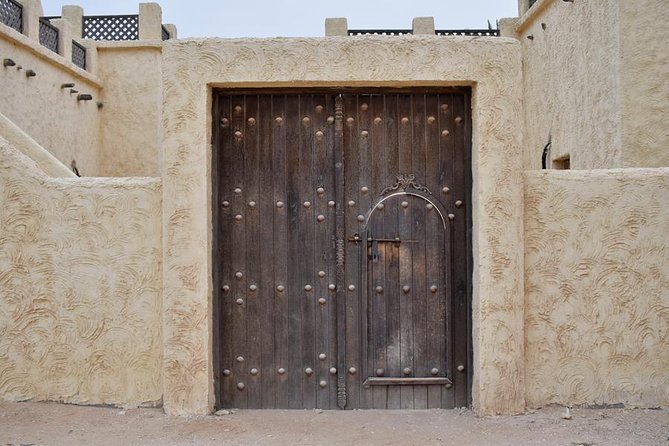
pixel 404 182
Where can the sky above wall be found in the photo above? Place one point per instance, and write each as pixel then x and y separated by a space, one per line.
pixel 301 18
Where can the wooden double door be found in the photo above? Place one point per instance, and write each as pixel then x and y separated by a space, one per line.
pixel 342 249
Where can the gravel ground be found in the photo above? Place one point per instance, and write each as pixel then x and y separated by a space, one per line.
pixel 58 424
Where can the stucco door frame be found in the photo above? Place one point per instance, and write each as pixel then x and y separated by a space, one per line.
pixel 492 67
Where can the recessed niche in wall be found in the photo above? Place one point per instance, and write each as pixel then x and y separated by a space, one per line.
pixel 562 163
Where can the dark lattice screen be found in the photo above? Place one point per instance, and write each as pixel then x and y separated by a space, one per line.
pixel 379 32
pixel 48 35
pixel 166 33
pixel 111 27
pixel 11 14
pixel 78 55
pixel 468 32
pixel 439 32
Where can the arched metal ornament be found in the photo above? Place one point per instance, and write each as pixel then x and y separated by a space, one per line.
pixel 404 182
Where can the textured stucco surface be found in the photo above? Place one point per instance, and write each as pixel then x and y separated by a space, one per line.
pixel 22 142
pixel 645 82
pixel 80 286
pixel 571 78
pixel 597 287
pixel 131 117
pixel 52 116
pixel 491 66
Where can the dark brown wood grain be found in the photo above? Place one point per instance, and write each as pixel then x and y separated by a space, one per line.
pixel 296 338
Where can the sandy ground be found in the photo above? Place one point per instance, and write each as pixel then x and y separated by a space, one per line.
pixel 57 424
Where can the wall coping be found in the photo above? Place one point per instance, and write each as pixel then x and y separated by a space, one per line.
pixel 17 138
pixel 35 171
pixel 47 55
pixel 532 14
pixel 600 173
pixel 128 44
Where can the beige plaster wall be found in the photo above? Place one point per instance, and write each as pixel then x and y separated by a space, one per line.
pixel 571 82
pixel 52 116
pixel 492 66
pixel 131 117
pixel 80 287
pixel 645 82
pixel 22 142
pixel 597 287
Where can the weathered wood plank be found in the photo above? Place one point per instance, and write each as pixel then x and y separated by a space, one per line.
pixel 265 206
pixel 459 310
pixel 436 251
pixel 226 300
pixel 365 202
pixel 281 259
pixel 392 288
pixel 419 159
pixel 407 289
pixel 322 253
pixel 376 297
pixel 306 222
pixel 351 194
pixel 237 196
pixel 295 289
pixel 254 305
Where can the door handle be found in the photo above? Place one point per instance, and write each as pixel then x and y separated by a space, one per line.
pixel 390 240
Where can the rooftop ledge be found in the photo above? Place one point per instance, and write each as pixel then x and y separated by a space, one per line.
pixel 47 55
pixel 531 14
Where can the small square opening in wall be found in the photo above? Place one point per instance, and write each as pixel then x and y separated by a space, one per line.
pixel 562 163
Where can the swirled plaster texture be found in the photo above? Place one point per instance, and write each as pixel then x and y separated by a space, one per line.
pixel 571 70
pixel 597 287
pixel 51 115
pixel 594 76
pixel 492 66
pixel 22 142
pixel 645 82
pixel 80 286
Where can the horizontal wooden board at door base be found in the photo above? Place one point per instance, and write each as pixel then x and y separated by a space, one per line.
pixel 368 310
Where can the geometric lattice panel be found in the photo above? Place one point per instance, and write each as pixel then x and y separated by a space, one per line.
pixel 78 55
pixel 112 27
pixel 48 35
pixel 11 14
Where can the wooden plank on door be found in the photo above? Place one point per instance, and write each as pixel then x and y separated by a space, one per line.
pixel 351 194
pixel 226 247
pixel 238 333
pixel 305 260
pixel 266 297
pixel 281 258
pixel 392 288
pixel 364 205
pixel 436 250
pixel 376 298
pixel 322 253
pixel 419 288
pixel 330 280
pixel 407 293
pixel 460 195
pixel 295 291
pixel 251 221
